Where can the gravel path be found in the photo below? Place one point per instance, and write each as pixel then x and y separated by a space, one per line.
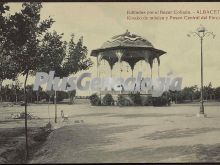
pixel 133 134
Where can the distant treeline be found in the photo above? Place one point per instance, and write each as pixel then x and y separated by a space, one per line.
pixel 193 93
pixel 15 93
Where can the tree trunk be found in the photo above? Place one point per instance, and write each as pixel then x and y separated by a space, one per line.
pixel 176 98
pixel 16 98
pixel 25 103
pixel 37 97
pixel 1 89
pixel 72 99
pixel 69 97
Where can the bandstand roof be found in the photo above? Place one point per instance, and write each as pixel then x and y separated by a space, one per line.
pixel 133 48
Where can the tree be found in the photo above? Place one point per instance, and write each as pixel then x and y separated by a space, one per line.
pixel 53 50
pixel 76 60
pixel 77 57
pixel 29 93
pixel 72 94
pixel 15 87
pixel 208 91
pixel 39 92
pixel 188 93
pixel 25 29
pixel 27 47
pixel 217 93
pixel 7 67
pixel 61 61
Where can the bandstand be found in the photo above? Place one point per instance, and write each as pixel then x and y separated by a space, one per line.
pixel 127 47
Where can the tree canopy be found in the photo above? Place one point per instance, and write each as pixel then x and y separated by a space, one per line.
pixel 27 46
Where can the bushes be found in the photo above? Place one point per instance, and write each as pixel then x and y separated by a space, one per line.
pixel 95 100
pixel 108 100
pixel 136 98
pixel 164 100
pixel 160 101
pixel 129 100
pixel 146 100
pixel 124 101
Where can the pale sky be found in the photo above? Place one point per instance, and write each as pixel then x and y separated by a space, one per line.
pixel 98 22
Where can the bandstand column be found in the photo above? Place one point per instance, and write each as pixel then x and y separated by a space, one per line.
pixel 99 58
pixel 151 72
pixel 132 72
pixel 158 70
pixel 151 67
pixel 119 55
pixel 111 67
pixel 158 62
pixel 97 67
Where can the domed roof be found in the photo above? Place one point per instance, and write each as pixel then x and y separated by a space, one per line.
pixel 127 40
pixel 132 47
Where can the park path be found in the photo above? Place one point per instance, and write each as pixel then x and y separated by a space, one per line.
pixel 129 135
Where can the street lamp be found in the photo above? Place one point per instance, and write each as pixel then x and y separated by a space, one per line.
pixel 201 32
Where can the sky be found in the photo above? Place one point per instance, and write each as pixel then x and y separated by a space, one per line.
pixel 98 22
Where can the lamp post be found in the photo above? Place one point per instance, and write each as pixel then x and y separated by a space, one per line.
pixel 201 33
